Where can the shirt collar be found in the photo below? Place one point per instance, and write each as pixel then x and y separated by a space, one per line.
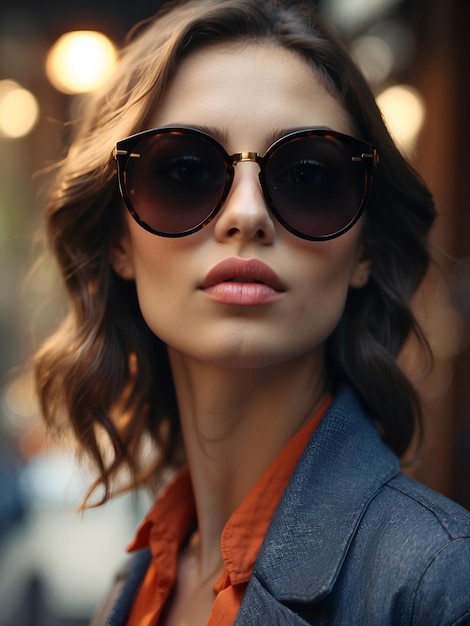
pixel 170 521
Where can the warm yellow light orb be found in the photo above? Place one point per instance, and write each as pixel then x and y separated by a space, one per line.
pixel 19 110
pixel 80 61
pixel 404 113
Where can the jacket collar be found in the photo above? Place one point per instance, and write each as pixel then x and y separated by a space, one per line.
pixel 342 468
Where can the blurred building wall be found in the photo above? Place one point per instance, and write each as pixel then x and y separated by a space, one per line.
pixel 440 72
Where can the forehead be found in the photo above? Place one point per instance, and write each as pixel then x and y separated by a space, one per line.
pixel 244 89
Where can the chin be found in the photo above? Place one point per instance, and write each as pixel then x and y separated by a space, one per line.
pixel 251 355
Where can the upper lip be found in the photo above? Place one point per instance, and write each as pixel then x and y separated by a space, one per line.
pixel 248 270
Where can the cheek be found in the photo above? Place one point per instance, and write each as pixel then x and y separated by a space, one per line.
pixel 167 272
pixel 159 300
pixel 155 274
pixel 324 281
pixel 155 259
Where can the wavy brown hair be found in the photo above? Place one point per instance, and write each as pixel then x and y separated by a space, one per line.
pixel 103 372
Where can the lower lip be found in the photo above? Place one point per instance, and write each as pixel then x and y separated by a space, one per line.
pixel 243 294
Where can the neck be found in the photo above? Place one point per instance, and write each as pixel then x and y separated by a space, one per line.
pixel 234 424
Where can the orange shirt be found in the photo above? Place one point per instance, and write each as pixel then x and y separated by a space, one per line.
pixel 171 520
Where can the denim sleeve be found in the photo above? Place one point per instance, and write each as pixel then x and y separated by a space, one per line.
pixel 442 594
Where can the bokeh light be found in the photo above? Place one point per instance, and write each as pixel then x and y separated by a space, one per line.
pixel 374 56
pixel 19 110
pixel 404 112
pixel 19 397
pixel 80 61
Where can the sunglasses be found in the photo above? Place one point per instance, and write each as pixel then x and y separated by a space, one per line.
pixel 315 182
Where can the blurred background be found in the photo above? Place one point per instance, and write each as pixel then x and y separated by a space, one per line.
pixel 55 564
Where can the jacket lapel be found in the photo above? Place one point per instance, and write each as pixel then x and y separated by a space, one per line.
pixel 342 468
pixel 260 607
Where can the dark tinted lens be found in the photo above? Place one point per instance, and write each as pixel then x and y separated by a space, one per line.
pixel 176 180
pixel 315 185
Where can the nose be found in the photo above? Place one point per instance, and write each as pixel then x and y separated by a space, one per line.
pixel 244 215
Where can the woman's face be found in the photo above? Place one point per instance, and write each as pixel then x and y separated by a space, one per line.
pixel 244 95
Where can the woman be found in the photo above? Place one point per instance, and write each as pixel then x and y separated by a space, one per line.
pixel 245 314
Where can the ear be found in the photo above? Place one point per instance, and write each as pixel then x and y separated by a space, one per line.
pixel 121 257
pixel 360 273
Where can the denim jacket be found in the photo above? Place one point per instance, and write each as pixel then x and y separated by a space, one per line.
pixel 353 542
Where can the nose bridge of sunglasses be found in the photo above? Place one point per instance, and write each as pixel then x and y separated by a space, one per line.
pixel 244 156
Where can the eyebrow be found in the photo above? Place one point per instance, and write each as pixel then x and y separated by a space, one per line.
pixel 216 133
pixel 282 132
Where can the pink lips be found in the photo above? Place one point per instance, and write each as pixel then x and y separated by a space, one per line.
pixel 243 282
